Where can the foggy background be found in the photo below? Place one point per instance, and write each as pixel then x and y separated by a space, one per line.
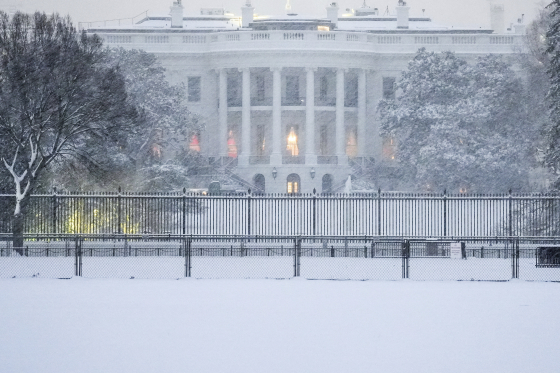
pixel 445 12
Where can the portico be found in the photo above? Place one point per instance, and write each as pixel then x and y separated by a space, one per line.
pixel 289 109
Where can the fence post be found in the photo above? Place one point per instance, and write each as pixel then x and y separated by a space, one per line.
pixel 515 257
pixel 187 252
pixel 297 256
pixel 78 257
pixel 54 206
pixel 379 212
pixel 119 230
pixel 445 212
pixel 405 258
pixel 510 214
pixel 184 211
pixel 249 212
pixel 314 212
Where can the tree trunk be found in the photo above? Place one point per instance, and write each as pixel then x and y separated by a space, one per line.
pixel 18 225
pixel 17 231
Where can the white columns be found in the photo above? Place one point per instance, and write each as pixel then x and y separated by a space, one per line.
pixel 362 113
pixel 223 114
pixel 340 130
pixel 310 156
pixel 245 118
pixel 276 154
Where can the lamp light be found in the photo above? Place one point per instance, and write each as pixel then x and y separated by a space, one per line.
pixel 312 172
pixel 274 173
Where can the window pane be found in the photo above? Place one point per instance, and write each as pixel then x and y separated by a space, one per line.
pixel 194 88
pixel 389 88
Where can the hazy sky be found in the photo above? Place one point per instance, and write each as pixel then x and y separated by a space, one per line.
pixel 444 12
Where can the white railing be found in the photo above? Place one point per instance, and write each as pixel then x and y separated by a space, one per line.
pixel 485 43
pixel 194 39
pixel 157 39
pixel 386 39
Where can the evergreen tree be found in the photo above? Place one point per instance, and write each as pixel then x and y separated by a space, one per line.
pixel 553 131
pixel 459 126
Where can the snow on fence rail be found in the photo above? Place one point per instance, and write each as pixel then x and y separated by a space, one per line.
pixel 373 214
pixel 314 257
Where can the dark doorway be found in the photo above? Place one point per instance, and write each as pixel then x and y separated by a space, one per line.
pixel 259 183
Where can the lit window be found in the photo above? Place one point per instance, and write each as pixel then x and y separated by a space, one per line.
pixel 194 88
pixel 293 184
pixel 351 143
pixel 231 145
pixel 156 140
pixel 323 28
pixel 194 145
pixel 260 140
pixel 292 143
pixel 389 149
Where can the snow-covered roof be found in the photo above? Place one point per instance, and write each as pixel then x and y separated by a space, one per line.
pixel 354 21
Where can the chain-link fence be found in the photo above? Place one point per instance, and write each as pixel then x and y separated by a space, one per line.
pixel 313 257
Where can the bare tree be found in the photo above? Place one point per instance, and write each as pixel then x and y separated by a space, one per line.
pixel 55 92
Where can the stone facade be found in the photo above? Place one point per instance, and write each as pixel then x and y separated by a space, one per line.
pixel 290 102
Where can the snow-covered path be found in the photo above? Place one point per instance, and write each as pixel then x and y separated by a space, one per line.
pixel 83 325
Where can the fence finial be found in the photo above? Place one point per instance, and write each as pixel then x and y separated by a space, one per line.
pixel 184 190
pixel 314 191
pixel 119 190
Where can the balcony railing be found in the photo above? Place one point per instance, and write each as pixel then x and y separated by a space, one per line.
pixel 481 42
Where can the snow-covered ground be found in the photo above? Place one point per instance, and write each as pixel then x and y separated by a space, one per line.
pixel 95 325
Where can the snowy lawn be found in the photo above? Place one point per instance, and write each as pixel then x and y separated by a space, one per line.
pixel 93 325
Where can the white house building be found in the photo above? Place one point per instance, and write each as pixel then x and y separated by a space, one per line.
pixel 290 101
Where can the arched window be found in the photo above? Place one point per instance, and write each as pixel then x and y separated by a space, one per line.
pixel 327 183
pixel 294 184
pixel 259 183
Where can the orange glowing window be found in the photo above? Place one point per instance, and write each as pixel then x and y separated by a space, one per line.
pixel 231 145
pixel 292 141
pixel 194 145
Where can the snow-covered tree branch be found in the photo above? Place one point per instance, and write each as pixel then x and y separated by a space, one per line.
pixel 55 91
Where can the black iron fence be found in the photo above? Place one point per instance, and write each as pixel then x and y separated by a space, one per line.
pixel 282 257
pixel 374 214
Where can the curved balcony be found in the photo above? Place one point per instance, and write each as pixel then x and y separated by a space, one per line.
pixel 379 42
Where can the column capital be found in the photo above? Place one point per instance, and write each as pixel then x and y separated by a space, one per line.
pixel 276 69
pixel 342 69
pixel 314 69
pixel 242 69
